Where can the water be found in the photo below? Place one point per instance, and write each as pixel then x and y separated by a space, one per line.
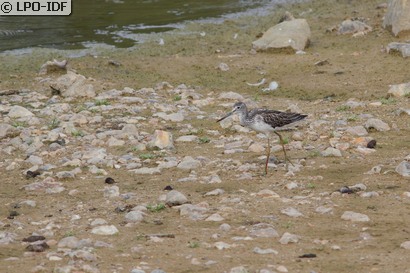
pixel 114 22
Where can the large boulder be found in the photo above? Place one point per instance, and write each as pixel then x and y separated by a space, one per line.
pixel 73 85
pixel 294 34
pixel 397 17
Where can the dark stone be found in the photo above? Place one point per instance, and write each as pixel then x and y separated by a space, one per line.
pixel 168 188
pixel 34 238
pixel 38 247
pixel 371 144
pixel 110 180
pixel 308 255
pixel 31 174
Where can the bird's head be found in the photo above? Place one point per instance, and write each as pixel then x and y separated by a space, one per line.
pixel 238 108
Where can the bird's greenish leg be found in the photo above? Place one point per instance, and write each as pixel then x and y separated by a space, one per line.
pixel 284 151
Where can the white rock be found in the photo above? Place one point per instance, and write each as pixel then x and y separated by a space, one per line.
pixel 324 210
pixel 105 230
pixel 17 111
pixel 256 148
pixel 35 160
pixel 405 245
pixel 111 191
pixel 353 26
pixel 403 168
pixel 330 151
pixel 194 212
pixel 294 34
pixel 130 129
pixel 258 250
pixel 357 131
pixel 239 269
pixel 69 242
pixel 222 245
pixel 146 170
pixel 376 124
pixel 397 16
pixel 73 85
pixel 291 212
pixel 215 192
pixel 282 269
pixel 399 90
pixel 189 163
pixel 404 49
pixel 264 231
pixel 289 238
pixel 231 96
pixel 175 198
pixel 215 218
pixel 162 140
pixel 355 217
pixel 266 193
pixel 134 216
pixel 98 222
pixel 225 227
pixel 189 138
pixel 223 67
pixel 113 142
pixel 174 117
pixel 5 129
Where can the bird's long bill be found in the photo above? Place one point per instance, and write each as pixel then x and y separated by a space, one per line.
pixel 227 115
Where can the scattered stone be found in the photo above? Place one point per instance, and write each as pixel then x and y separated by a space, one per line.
pixel 294 34
pixel 215 192
pixel 223 67
pixel 73 85
pixel 111 191
pixel 258 250
pixel 397 17
pixel 34 238
pixel 175 198
pixel 18 111
pixel 238 269
pixel 161 140
pixel 194 212
pixel 189 138
pixel 146 170
pixel 353 27
pixel 330 151
pixel 134 216
pixel 69 242
pixel 371 144
pixel 264 231
pixel 308 256
pixel 231 96
pixel 399 90
pixel 324 210
pixel 38 247
pixel 189 163
pixel 291 212
pixel 403 168
pixel 289 238
pixel 405 245
pixel 266 193
pixel 215 218
pixel 53 66
pixel 256 148
pixel 403 48
pixel 355 217
pixel 376 124
pixel 109 180
pixel 105 230
pixel 357 131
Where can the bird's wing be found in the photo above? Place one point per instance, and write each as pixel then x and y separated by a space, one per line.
pixel 277 118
